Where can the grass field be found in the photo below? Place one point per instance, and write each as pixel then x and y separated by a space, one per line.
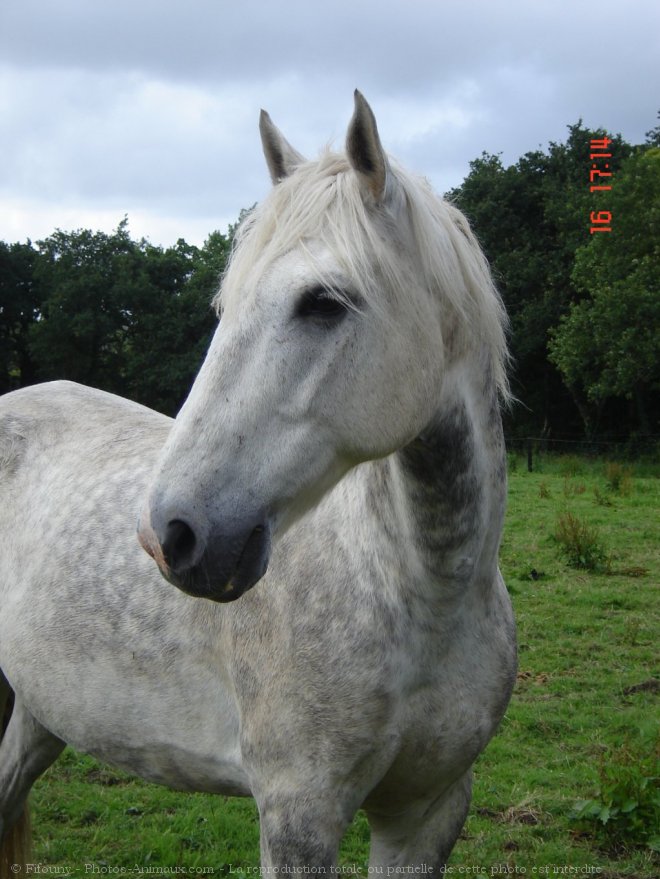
pixel 586 700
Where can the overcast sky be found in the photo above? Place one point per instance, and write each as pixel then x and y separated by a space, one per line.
pixel 150 108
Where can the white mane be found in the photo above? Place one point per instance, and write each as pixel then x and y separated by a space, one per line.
pixel 438 252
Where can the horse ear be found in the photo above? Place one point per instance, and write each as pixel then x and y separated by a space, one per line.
pixel 281 157
pixel 365 151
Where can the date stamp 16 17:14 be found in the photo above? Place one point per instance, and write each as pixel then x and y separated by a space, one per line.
pixel 601 221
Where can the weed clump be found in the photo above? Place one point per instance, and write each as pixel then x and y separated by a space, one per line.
pixel 580 543
pixel 571 465
pixel 625 812
pixel 572 488
pixel 602 500
pixel 618 478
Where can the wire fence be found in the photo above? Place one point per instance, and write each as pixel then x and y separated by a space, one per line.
pixel 615 448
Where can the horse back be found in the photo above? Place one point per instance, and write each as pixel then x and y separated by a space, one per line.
pixel 41 417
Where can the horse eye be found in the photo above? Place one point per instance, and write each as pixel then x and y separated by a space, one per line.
pixel 317 302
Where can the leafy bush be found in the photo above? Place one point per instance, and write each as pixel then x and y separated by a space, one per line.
pixel 625 813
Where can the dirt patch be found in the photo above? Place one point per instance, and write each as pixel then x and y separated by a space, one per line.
pixel 650 686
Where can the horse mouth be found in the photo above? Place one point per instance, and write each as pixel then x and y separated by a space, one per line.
pixel 251 566
pixel 221 595
pixel 225 571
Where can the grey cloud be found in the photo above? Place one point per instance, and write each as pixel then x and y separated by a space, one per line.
pixel 149 108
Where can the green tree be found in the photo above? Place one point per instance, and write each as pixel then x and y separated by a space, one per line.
pixel 173 321
pixel 653 136
pixel 123 315
pixel 530 218
pixel 84 277
pixel 20 299
pixel 608 345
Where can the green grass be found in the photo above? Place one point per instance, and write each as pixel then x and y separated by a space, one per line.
pixel 588 658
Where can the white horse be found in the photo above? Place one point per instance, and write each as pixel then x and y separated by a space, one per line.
pixel 342 444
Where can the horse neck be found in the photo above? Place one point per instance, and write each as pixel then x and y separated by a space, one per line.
pixel 445 492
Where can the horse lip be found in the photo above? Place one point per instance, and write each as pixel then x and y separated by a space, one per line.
pixel 188 585
pixel 231 592
pixel 251 566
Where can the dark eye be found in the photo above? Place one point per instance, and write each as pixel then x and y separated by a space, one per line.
pixel 317 302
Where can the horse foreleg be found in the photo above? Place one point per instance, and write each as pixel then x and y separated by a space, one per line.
pixel 420 837
pixel 27 749
pixel 301 830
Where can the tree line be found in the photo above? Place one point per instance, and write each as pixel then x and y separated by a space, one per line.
pixel 105 310
pixel 133 318
pixel 584 306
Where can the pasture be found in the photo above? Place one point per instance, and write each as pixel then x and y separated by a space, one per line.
pixel 586 699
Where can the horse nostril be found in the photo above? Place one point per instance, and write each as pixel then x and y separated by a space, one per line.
pixel 179 545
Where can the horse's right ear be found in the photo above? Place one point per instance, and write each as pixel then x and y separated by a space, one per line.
pixel 281 157
pixel 365 151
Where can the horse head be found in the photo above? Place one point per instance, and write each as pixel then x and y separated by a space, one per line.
pixel 330 351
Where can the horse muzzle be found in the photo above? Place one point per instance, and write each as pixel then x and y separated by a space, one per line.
pixel 215 563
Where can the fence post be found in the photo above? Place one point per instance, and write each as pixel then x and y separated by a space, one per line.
pixel 528 444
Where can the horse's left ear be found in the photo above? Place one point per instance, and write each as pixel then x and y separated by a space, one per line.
pixel 365 151
pixel 281 157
